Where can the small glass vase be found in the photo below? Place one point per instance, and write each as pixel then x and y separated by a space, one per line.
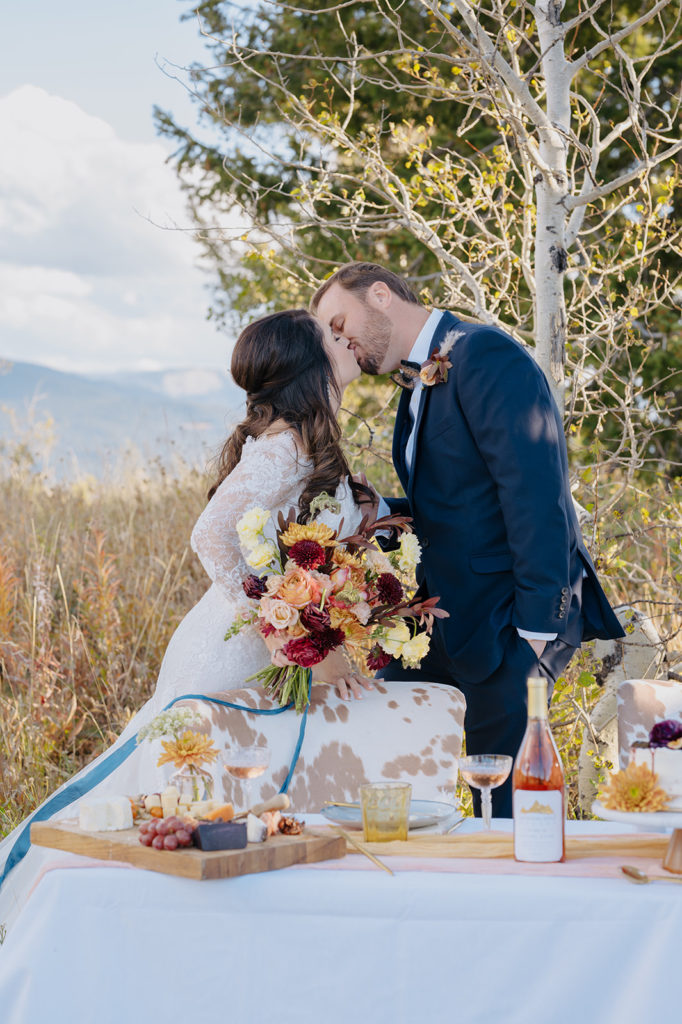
pixel 192 783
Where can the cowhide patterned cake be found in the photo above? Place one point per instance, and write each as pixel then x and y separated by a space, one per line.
pixel 406 731
pixel 642 703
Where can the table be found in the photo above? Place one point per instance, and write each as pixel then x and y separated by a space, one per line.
pixel 306 944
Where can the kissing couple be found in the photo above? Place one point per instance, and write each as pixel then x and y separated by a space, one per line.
pixel 479 450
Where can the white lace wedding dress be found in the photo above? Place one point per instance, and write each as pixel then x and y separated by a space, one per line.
pixel 198 660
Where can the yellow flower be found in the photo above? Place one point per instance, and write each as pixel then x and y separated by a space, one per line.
pixel 250 526
pixel 394 639
pixel 415 650
pixel 262 555
pixel 409 553
pixel 191 748
pixel 324 535
pixel 343 557
pixel 343 618
pixel 635 789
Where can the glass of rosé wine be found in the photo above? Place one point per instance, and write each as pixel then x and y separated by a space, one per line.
pixel 246 764
pixel 485 772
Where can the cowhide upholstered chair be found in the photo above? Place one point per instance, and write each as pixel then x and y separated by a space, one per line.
pixel 406 731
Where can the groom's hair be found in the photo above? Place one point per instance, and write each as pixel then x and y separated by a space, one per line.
pixel 358 277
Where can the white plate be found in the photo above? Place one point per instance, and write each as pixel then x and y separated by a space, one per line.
pixel 423 813
pixel 643 819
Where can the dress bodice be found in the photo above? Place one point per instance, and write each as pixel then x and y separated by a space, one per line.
pixel 271 474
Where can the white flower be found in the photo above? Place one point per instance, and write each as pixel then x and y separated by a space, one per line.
pixel 377 561
pixel 414 650
pixel 393 639
pixel 362 611
pixel 278 613
pixel 170 723
pixel 262 555
pixel 250 526
pixel 409 554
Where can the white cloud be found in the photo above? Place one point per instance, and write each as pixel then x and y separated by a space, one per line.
pixel 88 279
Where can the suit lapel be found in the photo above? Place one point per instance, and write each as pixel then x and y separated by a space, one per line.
pixel 447 322
pixel 423 400
pixel 401 432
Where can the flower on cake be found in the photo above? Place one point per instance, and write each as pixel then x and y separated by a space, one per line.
pixel 634 789
pixel 666 734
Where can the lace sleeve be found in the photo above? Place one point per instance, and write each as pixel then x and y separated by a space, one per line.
pixel 269 474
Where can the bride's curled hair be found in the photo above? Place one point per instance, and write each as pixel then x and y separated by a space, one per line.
pixel 282 364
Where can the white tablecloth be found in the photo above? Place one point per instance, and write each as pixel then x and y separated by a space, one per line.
pixel 305 945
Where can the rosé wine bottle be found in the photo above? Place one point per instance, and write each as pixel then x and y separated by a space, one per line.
pixel 538 786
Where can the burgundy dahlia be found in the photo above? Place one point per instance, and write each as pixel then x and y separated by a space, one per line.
pixel 664 732
pixel 377 659
pixel 307 553
pixel 315 619
pixel 328 640
pixel 389 588
pixel 254 586
pixel 304 651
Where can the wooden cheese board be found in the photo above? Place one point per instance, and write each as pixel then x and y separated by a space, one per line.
pixel 276 852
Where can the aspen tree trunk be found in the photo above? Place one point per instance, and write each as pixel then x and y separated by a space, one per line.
pixel 551 188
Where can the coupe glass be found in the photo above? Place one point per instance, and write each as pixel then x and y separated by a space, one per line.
pixel 485 772
pixel 246 764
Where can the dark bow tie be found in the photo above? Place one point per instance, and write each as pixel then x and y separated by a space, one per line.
pixel 407 374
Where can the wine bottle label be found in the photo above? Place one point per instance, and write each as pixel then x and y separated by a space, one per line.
pixel 538 825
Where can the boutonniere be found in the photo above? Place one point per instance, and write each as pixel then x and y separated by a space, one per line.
pixel 435 369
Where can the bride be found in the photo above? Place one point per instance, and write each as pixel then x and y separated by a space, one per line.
pixel 284 453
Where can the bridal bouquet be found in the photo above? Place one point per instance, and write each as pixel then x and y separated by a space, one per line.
pixel 317 591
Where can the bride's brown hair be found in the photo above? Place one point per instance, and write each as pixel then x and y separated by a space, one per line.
pixel 282 364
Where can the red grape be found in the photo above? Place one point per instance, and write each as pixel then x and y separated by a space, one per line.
pixel 146 839
pixel 184 837
pixel 144 827
pixel 170 842
pixel 162 828
pixel 157 842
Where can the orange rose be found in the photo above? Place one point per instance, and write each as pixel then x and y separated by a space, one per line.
pixel 298 588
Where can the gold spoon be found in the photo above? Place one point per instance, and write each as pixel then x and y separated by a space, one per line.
pixel 638 877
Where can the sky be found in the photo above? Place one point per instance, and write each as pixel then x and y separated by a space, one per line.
pixel 98 270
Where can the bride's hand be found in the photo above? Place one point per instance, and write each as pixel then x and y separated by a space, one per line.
pixel 337 669
pixel 277 656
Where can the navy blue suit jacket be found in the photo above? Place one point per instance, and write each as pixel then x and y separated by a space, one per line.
pixel 489 493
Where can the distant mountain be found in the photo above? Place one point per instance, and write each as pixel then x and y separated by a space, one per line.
pixel 97 419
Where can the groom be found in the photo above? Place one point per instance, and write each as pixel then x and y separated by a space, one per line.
pixel 480 452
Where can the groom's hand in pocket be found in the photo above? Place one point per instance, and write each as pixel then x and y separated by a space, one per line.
pixel 537 645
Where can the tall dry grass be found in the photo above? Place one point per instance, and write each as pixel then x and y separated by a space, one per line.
pixel 94 577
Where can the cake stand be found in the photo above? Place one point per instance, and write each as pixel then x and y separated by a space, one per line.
pixel 656 820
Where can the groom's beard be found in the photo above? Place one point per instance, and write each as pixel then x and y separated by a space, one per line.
pixel 376 338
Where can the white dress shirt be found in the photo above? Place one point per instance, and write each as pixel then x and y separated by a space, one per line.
pixel 420 352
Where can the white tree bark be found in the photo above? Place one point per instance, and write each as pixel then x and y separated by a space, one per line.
pixel 551 260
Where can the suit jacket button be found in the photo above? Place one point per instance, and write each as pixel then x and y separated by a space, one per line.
pixel 564 590
pixel 424 541
pixel 561 614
